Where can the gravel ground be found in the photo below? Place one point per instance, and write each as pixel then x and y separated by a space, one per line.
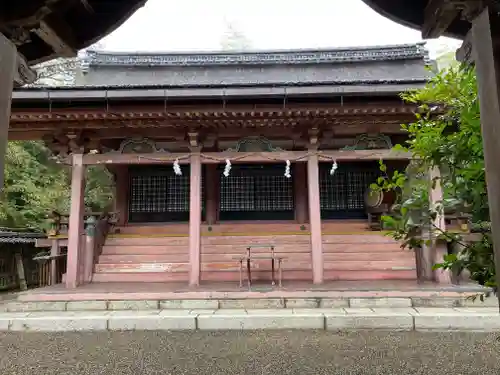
pixel 280 352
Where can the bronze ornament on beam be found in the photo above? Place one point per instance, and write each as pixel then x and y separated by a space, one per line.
pixel 370 142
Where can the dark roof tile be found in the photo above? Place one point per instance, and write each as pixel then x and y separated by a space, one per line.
pixel 279 57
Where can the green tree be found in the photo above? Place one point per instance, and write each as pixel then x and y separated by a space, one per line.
pixel 36 185
pixel 446 134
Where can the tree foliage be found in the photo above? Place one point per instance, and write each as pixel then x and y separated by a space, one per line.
pixel 446 134
pixel 35 185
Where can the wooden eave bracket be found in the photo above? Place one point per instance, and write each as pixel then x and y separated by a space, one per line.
pixel 23 75
pixel 314 139
pixel 438 16
pixel 53 38
pixel 465 54
pixel 193 139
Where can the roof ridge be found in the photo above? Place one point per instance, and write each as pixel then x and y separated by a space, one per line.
pixel 278 57
pixel 258 51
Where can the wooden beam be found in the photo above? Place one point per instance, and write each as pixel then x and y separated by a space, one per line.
pixel 17 132
pixel 485 33
pixel 465 54
pixel 438 16
pixel 210 110
pixel 53 38
pixel 244 157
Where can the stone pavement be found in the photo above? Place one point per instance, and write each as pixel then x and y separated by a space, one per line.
pixel 282 352
pixel 484 319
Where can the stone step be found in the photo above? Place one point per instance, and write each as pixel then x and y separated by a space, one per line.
pixel 335 319
pixel 236 300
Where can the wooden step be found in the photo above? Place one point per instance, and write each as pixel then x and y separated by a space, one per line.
pixel 163 229
pixel 337 275
pixel 244 241
pixel 366 248
pixel 143 258
pixel 143 277
pixel 144 267
pixel 376 265
pixel 151 250
pixel 358 239
pixel 242 249
pixel 147 241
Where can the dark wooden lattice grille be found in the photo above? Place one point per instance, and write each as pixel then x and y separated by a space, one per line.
pixel 148 193
pixel 157 194
pixel 342 195
pixel 253 192
pixel 178 193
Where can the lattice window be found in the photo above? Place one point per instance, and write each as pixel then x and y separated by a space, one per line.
pixel 342 195
pixel 237 193
pixel 273 193
pixel 256 189
pixel 158 194
pixel 148 193
pixel 333 192
pixel 178 193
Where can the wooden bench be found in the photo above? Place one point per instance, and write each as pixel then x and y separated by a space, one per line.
pixel 248 260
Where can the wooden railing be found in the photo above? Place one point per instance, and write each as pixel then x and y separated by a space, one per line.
pixel 59 223
pixel 52 265
pixel 50 268
pixel 96 230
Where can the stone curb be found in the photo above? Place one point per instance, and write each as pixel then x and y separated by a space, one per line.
pixel 334 319
pixel 250 303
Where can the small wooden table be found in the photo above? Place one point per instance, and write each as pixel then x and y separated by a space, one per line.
pixel 248 259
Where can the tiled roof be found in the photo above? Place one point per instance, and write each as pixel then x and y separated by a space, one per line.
pixel 282 57
pixel 8 236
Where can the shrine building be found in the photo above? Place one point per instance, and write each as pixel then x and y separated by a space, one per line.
pixel 225 157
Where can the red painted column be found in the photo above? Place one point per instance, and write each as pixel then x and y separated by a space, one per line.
pixel 439 249
pixel 195 219
pixel 76 222
pixel 300 192
pixel 315 218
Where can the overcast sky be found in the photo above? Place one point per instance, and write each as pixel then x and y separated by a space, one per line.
pixel 187 25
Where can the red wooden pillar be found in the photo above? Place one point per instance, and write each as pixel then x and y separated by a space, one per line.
pixel 315 218
pixel 76 223
pixel 195 219
pixel 439 249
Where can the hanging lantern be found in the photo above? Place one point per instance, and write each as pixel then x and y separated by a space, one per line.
pixel 227 168
pixel 177 168
pixel 287 169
